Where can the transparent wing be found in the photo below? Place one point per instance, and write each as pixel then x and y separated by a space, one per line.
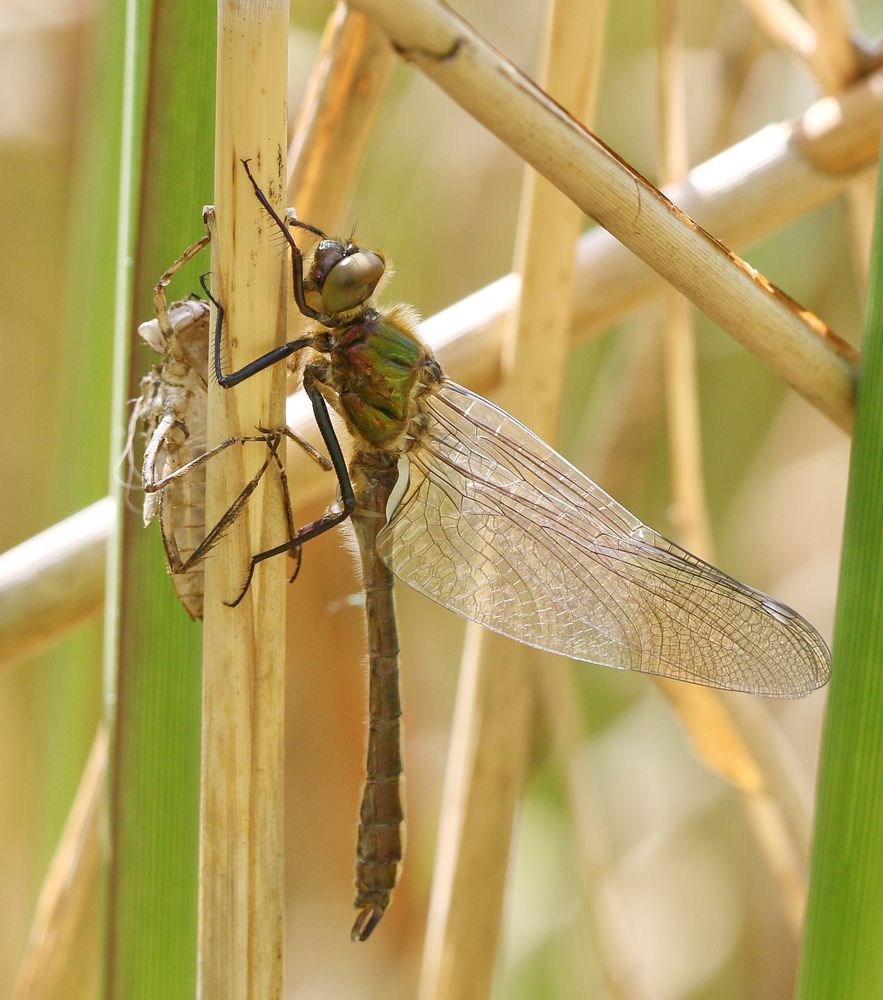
pixel 501 529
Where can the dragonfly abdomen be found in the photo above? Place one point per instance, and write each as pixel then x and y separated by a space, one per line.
pixel 182 521
pixel 173 405
pixel 379 847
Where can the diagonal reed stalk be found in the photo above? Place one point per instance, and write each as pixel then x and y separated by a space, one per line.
pixel 727 289
pixel 337 117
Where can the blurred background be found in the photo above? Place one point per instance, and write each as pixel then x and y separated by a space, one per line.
pixel 696 911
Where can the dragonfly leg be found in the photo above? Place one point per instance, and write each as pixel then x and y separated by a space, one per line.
pixel 313 453
pixel 159 289
pixel 258 364
pixel 150 483
pixel 297 259
pixel 328 521
pixel 295 553
pixel 179 565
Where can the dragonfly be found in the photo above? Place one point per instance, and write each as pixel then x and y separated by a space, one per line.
pixel 459 500
pixel 172 407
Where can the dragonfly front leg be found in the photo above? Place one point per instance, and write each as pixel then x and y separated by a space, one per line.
pixel 253 367
pixel 338 462
pixel 297 260
pixel 159 290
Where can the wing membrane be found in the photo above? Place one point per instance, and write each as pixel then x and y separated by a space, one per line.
pixel 501 529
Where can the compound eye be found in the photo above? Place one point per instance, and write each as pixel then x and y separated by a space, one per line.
pixel 352 280
pixel 328 254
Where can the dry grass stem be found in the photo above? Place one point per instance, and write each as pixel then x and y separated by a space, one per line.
pixel 690 508
pixel 464 914
pixel 241 858
pixel 784 25
pixel 338 112
pixel 701 711
pixel 836 60
pixel 785 778
pixel 62 957
pixel 792 341
pixel 626 400
pixel 860 198
pixel 602 919
pixel 736 736
pixel 787 867
pixel 334 126
pixel 754 188
pixel 705 714
pixel 492 723
pixel 53 582
pixel 743 749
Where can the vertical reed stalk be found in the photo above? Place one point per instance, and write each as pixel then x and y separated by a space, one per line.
pixel 241 865
pixel 494 714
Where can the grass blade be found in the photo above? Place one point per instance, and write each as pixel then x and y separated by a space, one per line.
pixel 844 922
pixel 152 646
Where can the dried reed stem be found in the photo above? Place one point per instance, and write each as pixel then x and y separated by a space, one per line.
pixel 241 857
pixel 61 959
pixel 337 116
pixel 53 582
pixel 682 383
pixel 495 708
pixel 754 188
pixel 836 59
pixel 706 715
pixel 784 25
pixel 792 341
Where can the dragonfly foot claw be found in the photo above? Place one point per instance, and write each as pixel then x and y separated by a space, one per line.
pixel 297 555
pixel 244 591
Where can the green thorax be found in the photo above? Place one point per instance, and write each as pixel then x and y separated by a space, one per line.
pixel 377 363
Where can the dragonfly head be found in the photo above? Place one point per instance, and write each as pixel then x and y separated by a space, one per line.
pixel 343 276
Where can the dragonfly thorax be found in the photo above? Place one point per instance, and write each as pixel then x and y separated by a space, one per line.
pixel 379 368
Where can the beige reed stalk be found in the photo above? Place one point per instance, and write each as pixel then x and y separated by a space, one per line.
pixel 60 959
pixel 784 25
pixel 838 60
pixel 493 721
pixel 708 716
pixel 792 341
pixel 240 936
pixel 337 117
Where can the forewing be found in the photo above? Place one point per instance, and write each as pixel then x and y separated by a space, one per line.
pixel 501 529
